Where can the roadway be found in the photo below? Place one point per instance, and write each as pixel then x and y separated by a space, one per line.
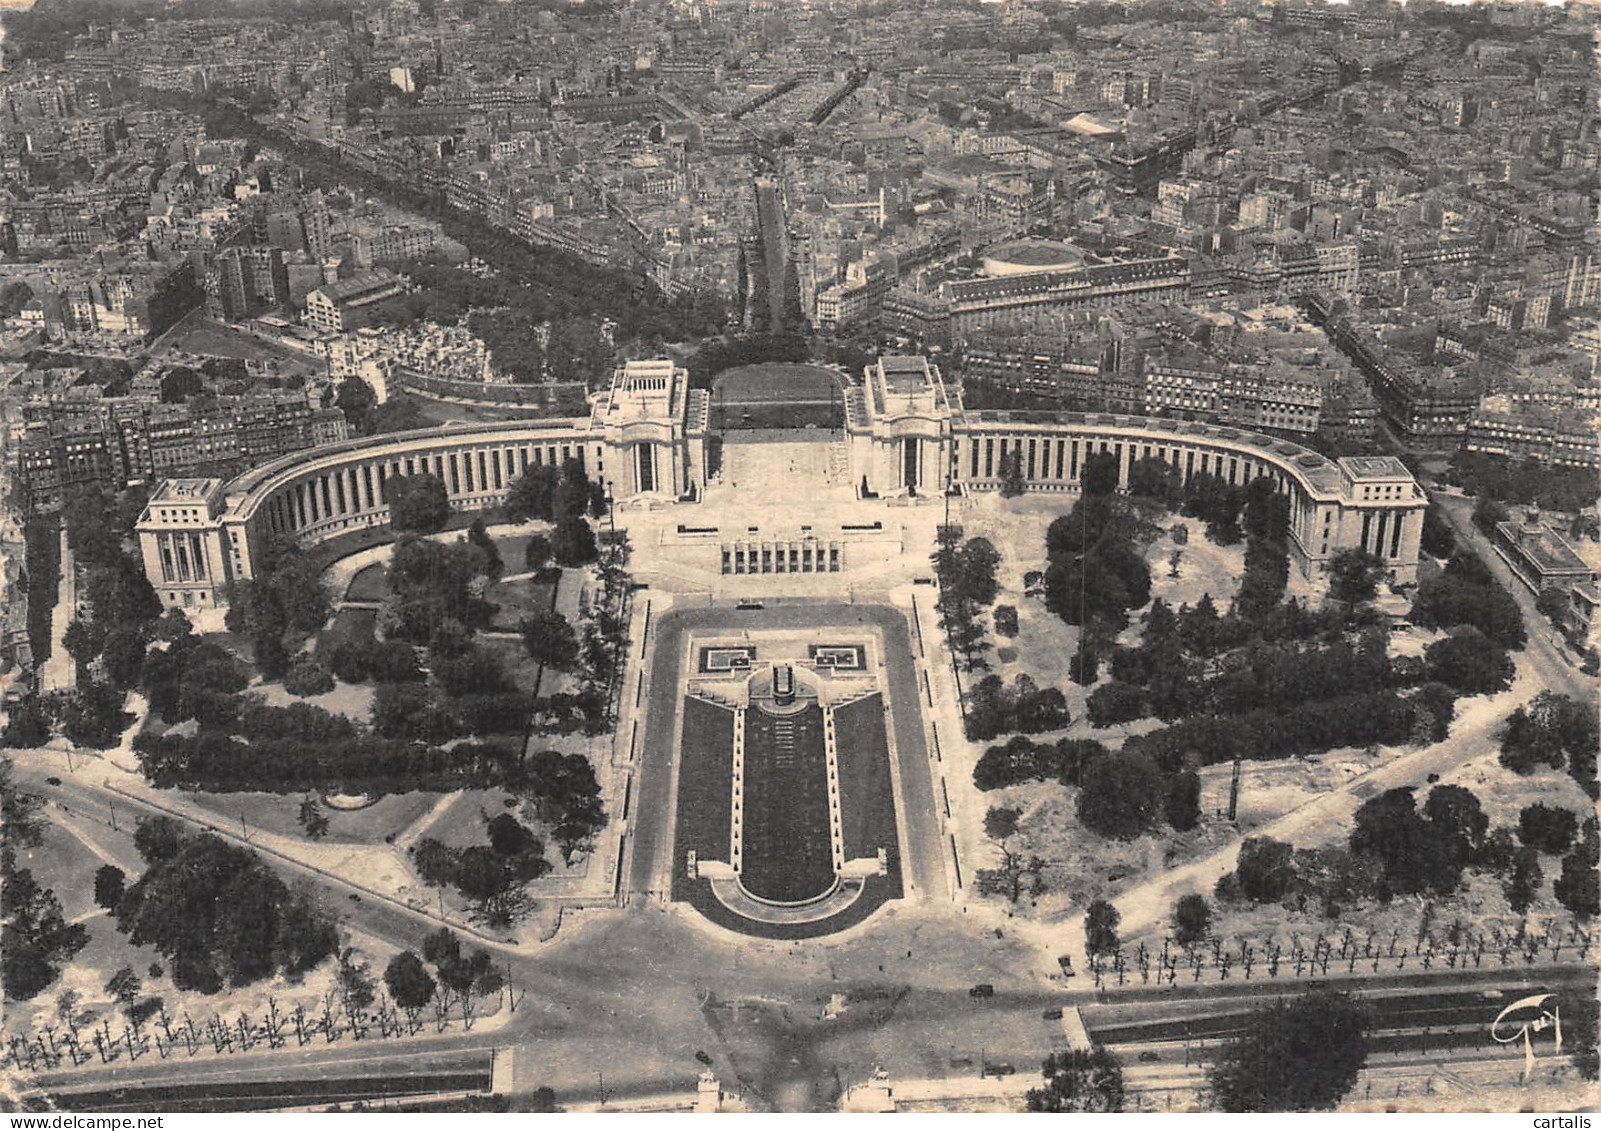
pixel 770 218
pixel 777 1050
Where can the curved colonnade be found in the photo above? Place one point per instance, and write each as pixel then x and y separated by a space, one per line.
pixel 197 535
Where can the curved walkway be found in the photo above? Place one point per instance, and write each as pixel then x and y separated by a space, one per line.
pixel 732 895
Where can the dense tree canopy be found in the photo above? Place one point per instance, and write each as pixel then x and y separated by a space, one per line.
pixel 222 917
pixel 1120 795
pixel 1079 1081
pixel 1298 1055
pixel 417 503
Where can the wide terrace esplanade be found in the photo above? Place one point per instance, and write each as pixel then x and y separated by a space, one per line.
pixel 647 436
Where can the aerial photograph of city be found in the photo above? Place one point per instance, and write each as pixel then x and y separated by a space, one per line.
pixel 770 556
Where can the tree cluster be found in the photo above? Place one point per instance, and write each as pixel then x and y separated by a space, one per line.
pixel 218 913
pixel 1554 731
pixel 1020 759
pixel 285 596
pixel 1396 848
pixel 561 496
pixel 1566 489
pixel 436 593
pixel 1096 569
pixel 1466 593
pixel 1303 1054
pixel 494 876
pixel 993 708
pixel 1079 1081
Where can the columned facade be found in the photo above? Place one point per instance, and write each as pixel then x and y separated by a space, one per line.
pixel 907 435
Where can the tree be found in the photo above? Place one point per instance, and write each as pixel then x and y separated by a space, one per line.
pixel 1488 514
pixel 123 657
pixel 1099 474
pixel 124 985
pixel 180 384
pixel 478 536
pixel 550 640
pixel 27 725
pixel 1524 884
pixel 356 399
pixel 1012 482
pixel 313 821
pixel 509 837
pixel 532 494
pixel 1120 795
pixel 1578 888
pixel 1265 869
pixel 1354 575
pixel 1439 537
pixel 306 677
pixel 1192 918
pixel 572 543
pixel 537 553
pixel 1116 702
pixel 36 941
pixel 109 886
pixel 1414 854
pixel 1000 823
pixel 417 503
pixel 1079 1081
pixel 1547 829
pixel 1457 821
pixel 1297 1055
pixel 1005 617
pixel 355 982
pixel 1552 604
pixel 1182 805
pixel 157 839
pixel 1100 928
pixel 435 862
pixel 409 982
pixel 1470 662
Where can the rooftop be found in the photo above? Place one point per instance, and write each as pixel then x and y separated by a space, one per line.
pixel 185 490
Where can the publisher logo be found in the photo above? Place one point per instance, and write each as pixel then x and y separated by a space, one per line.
pixel 1522 1019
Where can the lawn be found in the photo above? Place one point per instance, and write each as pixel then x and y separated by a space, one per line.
pixel 461 824
pixel 516 600
pixel 63 862
pixel 279 813
pixel 705 789
pixel 349 625
pixel 370 583
pixel 866 791
pixel 352 700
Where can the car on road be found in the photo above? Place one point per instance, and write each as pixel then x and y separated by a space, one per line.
pixel 52 781
pixel 1052 1015
pixel 983 989
pixel 1149 1057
